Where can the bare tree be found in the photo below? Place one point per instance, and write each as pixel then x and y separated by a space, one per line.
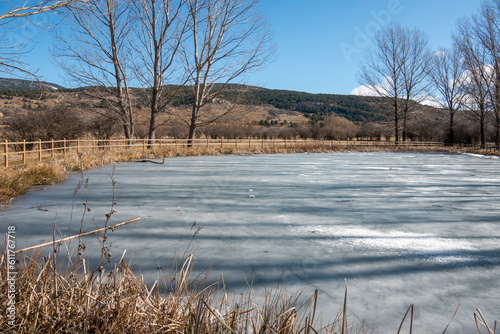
pixel 227 38
pixel 29 9
pixel 486 33
pixel 10 52
pixel 477 79
pixel 446 76
pixel 96 53
pixel 160 29
pixel 396 68
pixel 415 62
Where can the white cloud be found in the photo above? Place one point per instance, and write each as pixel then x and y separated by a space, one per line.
pixel 369 91
pixel 364 91
pixel 439 53
pixel 431 101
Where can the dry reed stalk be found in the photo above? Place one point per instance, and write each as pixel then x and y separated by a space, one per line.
pixel 54 242
pixel 481 321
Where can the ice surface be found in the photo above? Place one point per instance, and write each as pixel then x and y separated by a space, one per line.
pixel 402 228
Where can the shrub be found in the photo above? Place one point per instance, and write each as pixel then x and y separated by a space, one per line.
pixel 338 128
pixel 45 124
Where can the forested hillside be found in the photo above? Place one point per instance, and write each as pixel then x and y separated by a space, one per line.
pixel 354 108
pixel 358 109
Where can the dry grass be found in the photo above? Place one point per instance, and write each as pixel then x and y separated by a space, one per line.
pixel 71 298
pixel 16 181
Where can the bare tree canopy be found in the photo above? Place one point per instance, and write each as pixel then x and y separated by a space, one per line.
pixel 446 76
pixel 26 8
pixel 486 34
pixel 478 40
pixel 227 38
pixel 158 34
pixel 396 67
pixel 11 52
pixel 96 52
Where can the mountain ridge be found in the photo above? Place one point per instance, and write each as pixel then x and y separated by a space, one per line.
pixel 23 84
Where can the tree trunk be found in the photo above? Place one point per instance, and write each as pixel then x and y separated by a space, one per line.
pixel 396 123
pixel 482 127
pixel 152 130
pixel 192 132
pixel 497 132
pixel 128 134
pixel 192 125
pixel 451 134
pixel 404 125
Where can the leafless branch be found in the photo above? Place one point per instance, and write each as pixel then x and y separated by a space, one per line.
pixel 96 53
pixel 228 38
pixel 397 68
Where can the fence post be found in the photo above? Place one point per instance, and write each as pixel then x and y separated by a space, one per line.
pixel 222 142
pixel 64 147
pixel 52 148
pixel 24 152
pixel 249 142
pixel 160 142
pixel 6 150
pixel 236 143
pixel 78 146
pixel 143 145
pixel 39 150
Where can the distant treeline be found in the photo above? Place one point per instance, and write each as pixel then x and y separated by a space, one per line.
pixel 34 94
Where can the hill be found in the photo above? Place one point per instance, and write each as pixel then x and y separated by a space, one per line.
pixel 359 109
pixel 253 103
pixel 355 108
pixel 20 84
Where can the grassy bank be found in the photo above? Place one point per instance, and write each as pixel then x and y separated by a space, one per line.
pixel 17 179
pixel 112 299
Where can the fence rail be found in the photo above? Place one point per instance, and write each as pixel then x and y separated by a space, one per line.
pixel 21 152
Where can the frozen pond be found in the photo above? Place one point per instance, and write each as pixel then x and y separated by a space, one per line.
pixel 402 228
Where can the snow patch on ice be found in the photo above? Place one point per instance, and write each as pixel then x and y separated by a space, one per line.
pixel 481 156
pixel 421 246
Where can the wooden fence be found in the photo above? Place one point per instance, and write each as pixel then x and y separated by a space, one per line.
pixel 22 152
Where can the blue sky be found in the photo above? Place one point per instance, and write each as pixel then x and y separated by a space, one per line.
pixel 320 43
